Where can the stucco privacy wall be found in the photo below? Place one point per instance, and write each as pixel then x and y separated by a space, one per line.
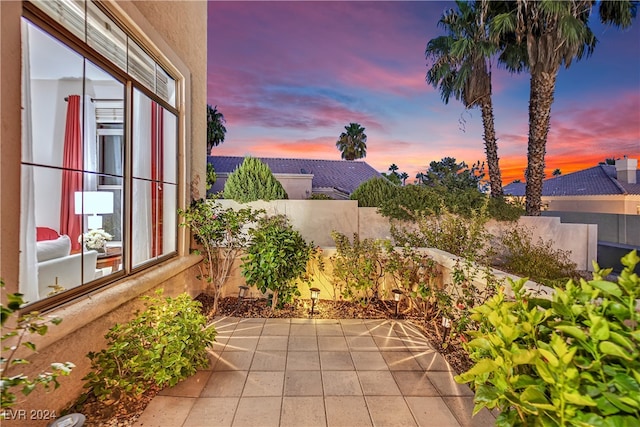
pixel 316 219
pixel 178 30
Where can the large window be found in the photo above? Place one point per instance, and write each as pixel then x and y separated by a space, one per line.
pixel 99 150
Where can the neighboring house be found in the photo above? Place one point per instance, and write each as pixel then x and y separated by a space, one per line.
pixel 606 195
pixel 103 126
pixel 303 177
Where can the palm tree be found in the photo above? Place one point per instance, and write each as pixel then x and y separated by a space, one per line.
pixel 461 68
pixel 556 172
pixel 393 168
pixel 553 34
pixel 404 177
pixel 215 128
pixel 352 143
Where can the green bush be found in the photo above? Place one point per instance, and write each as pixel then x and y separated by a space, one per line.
pixel 276 258
pixel 26 324
pixel 538 261
pixel 412 201
pixel 464 237
pixel 319 196
pixel 358 267
pixel 374 192
pixel 164 344
pixel 252 181
pixel 221 235
pixel 571 361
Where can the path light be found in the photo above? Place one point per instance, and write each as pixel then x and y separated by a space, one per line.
pixel 315 295
pixel 242 291
pixel 397 293
pixel 446 324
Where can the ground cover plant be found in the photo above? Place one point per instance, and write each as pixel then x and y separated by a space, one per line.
pixel 14 337
pixel 162 345
pixel 571 361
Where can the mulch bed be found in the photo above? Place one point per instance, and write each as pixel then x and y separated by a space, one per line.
pixel 125 412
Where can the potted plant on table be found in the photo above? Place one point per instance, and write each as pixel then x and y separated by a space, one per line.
pixel 95 240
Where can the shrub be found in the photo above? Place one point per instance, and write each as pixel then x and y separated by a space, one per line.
pixel 276 258
pixel 319 196
pixel 221 233
pixel 412 201
pixel 374 192
pixel 414 273
pixel 358 267
pixel 538 261
pixel 163 345
pixel 30 323
pixel 574 360
pixel 464 237
pixel 252 181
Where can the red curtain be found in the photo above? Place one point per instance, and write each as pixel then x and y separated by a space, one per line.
pixel 70 223
pixel 157 141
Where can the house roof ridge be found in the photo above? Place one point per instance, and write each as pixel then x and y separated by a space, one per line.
pixel 614 180
pixel 293 158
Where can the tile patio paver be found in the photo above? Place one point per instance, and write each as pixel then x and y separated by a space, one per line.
pixel 347 411
pixel 317 372
pixel 390 411
pixel 212 411
pixel 225 384
pixel 302 411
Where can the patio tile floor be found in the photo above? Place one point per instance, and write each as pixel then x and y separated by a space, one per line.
pixel 325 373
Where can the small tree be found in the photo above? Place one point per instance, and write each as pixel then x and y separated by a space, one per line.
pixel 276 258
pixel 374 192
pixel 14 337
pixel 221 234
pixel 251 181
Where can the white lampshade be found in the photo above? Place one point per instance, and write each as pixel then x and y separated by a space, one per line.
pixel 93 203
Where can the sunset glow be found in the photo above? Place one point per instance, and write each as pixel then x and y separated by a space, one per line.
pixel 288 76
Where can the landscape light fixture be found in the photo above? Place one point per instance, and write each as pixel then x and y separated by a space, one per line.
pixel 315 296
pixel 446 324
pixel 397 293
pixel 242 291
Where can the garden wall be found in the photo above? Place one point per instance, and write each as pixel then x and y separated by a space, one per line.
pixel 322 279
pixel 316 219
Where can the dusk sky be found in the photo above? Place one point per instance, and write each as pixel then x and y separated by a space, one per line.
pixel 288 76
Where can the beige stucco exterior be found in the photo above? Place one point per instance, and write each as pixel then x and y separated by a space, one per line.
pixel 628 204
pixel 176 32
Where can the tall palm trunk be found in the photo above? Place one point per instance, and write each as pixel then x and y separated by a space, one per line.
pixel 540 100
pixel 491 147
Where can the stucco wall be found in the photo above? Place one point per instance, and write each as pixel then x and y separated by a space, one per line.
pixel 611 204
pixel 178 30
pixel 316 219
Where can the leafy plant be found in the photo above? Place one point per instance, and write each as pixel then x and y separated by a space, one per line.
pixel 464 237
pixel 222 236
pixel 13 338
pixel 539 261
pixel 164 344
pixel 358 267
pixel 251 181
pixel 319 196
pixel 374 192
pixel 571 361
pixel 414 273
pixel 276 258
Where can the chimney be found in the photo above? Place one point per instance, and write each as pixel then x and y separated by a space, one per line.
pixel 626 170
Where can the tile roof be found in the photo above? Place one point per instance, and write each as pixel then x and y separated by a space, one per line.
pixel 594 181
pixel 343 175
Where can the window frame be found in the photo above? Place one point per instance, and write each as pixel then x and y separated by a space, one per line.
pixel 39 18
